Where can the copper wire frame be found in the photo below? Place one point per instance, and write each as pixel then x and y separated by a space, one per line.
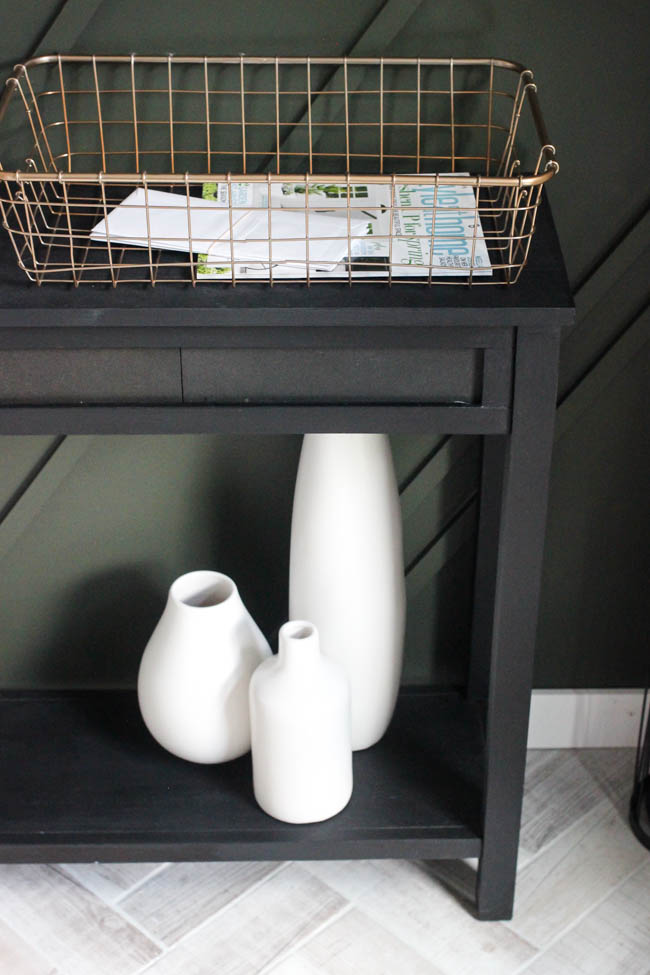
pixel 99 127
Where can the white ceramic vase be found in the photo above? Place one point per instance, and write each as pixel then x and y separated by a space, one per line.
pixel 196 669
pixel 347 568
pixel 300 724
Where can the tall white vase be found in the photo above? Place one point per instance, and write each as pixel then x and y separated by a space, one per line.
pixel 196 669
pixel 347 568
pixel 300 721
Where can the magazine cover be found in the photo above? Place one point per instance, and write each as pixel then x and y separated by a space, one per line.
pixel 379 238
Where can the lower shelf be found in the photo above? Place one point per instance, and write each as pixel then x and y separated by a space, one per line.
pixel 82 780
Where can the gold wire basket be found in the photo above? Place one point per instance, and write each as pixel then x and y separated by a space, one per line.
pixel 80 134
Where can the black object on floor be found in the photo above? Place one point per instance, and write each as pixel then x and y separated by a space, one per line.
pixel 640 802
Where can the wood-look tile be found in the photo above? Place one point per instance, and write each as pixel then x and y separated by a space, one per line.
pixel 19 958
pixel 559 790
pixel 294 965
pixel 184 895
pixel 258 930
pixel 110 881
pixel 612 772
pixel 614 938
pixel 356 945
pixel 406 899
pixel 69 924
pixel 573 874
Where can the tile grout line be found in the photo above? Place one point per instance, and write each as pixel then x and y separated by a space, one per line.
pixel 57 868
pixel 115 908
pixel 154 961
pixel 605 801
pixel 283 955
pixel 570 927
pixel 605 798
pixel 356 901
pixel 140 883
pixel 109 901
pixel 135 924
pixel 568 753
pixel 549 846
pixel 217 913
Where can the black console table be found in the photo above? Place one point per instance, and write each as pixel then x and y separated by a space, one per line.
pixel 80 778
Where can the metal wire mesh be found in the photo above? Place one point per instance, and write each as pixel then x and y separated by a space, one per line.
pixel 80 134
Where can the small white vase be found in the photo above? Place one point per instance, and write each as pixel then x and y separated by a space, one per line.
pixel 300 722
pixel 196 669
pixel 347 568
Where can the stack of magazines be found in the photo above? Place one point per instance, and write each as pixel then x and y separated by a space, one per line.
pixel 331 231
pixel 446 216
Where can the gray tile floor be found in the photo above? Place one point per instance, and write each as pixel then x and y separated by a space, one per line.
pixel 583 903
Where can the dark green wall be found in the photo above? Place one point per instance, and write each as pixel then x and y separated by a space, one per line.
pixel 94 529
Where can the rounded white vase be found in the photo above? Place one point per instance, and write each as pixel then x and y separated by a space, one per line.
pixel 347 568
pixel 300 725
pixel 196 669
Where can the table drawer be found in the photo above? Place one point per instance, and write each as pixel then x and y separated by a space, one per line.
pixel 347 375
pixel 94 376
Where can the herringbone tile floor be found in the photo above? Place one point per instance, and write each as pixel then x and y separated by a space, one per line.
pixel 583 903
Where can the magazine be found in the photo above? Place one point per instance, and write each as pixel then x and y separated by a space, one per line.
pixel 379 238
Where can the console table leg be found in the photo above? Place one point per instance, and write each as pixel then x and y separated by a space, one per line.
pixel 513 515
pixel 493 466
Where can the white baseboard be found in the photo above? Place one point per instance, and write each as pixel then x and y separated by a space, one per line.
pixel 585 719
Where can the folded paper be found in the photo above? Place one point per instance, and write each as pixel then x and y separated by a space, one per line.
pixel 169 221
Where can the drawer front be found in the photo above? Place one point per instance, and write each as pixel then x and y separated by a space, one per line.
pixel 333 376
pixel 93 376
